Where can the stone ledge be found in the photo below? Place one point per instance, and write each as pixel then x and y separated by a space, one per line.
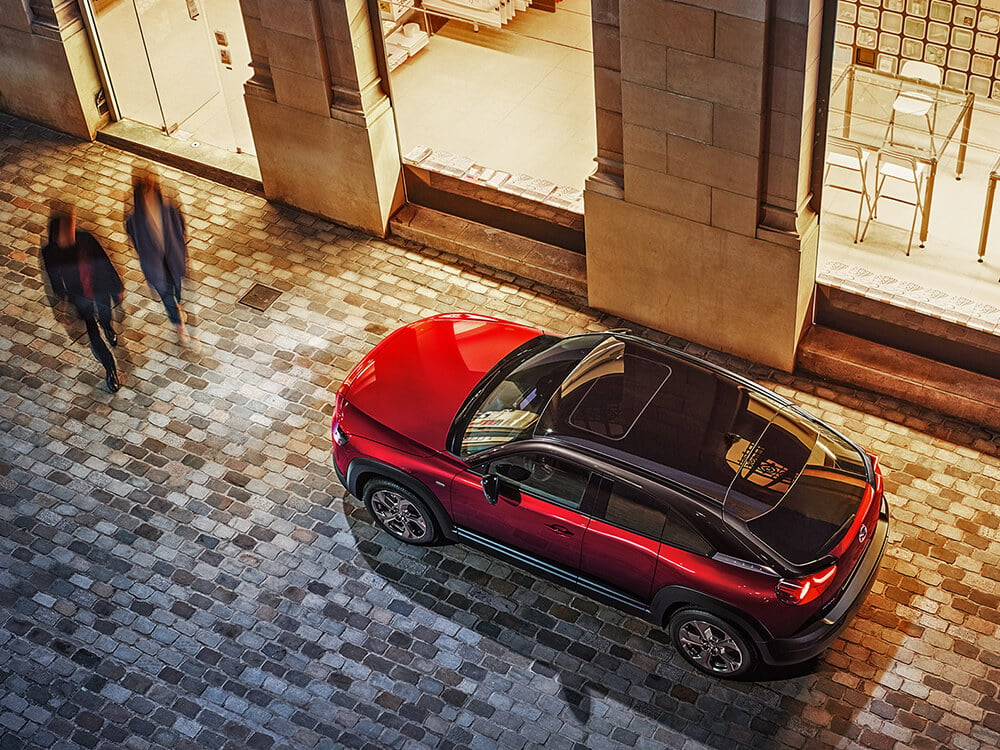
pixel 909 377
pixel 530 259
pixel 235 170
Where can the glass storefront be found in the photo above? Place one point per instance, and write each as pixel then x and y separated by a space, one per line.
pixel 913 156
pixel 177 65
pixel 499 94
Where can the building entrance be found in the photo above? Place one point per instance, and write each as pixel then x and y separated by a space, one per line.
pixel 178 65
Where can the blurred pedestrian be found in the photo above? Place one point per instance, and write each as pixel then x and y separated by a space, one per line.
pixel 156 228
pixel 80 272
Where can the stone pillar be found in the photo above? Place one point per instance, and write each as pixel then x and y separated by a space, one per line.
pixel 322 124
pixel 712 238
pixel 610 173
pixel 47 70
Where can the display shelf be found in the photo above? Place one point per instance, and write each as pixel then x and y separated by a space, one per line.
pixel 403 36
pixel 521 185
pixel 491 13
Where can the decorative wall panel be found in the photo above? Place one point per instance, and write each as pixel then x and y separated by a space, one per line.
pixel 960 36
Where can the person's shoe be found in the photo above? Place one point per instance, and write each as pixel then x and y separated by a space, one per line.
pixel 112 337
pixel 111 381
pixel 182 335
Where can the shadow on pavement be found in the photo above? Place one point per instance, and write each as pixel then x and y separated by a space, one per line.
pixel 600 659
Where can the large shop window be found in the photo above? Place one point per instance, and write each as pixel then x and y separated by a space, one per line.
pixel 913 158
pixel 497 93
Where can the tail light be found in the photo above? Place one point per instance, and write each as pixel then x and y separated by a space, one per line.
pixel 797 591
pixel 878 474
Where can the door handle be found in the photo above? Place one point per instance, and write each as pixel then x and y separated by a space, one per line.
pixel 559 529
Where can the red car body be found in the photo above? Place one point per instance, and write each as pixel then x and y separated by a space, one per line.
pixel 644 476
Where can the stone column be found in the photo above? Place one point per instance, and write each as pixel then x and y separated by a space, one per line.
pixel 322 124
pixel 712 238
pixel 609 176
pixel 47 70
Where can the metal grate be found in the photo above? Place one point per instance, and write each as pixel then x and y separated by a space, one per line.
pixel 259 297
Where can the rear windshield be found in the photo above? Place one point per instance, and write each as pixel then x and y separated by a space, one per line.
pixel 798 487
pixel 812 515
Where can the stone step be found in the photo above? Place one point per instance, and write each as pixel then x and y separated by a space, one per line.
pixel 553 266
pixel 922 329
pixel 950 390
pixel 236 170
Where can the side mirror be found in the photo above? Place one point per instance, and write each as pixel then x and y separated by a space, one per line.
pixel 491 488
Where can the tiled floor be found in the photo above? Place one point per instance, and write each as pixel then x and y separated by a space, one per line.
pixel 520 99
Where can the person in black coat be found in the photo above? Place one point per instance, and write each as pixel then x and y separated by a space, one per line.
pixel 80 272
pixel 156 227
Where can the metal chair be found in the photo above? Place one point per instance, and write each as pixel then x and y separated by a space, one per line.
pixel 850 157
pixel 915 103
pixel 900 167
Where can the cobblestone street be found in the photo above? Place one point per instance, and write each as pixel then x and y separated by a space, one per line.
pixel 180 567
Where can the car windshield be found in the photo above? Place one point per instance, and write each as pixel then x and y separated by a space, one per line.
pixel 510 410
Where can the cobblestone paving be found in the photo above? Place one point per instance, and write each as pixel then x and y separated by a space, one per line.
pixel 180 568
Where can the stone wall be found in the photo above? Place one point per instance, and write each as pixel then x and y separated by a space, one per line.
pixel 711 236
pixel 323 126
pixel 47 70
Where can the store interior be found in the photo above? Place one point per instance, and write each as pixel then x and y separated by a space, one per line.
pixel 517 96
pixel 951 49
pixel 945 278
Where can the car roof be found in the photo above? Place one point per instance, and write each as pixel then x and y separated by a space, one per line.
pixel 662 411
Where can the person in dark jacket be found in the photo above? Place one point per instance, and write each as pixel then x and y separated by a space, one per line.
pixel 156 227
pixel 80 272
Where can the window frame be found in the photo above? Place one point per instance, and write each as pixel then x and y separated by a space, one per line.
pixel 480 467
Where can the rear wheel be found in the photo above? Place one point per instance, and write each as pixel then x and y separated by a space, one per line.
pixel 711 644
pixel 400 512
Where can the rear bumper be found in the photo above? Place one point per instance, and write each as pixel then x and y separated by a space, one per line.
pixel 817 635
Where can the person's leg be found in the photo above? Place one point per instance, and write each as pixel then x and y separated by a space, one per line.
pixel 170 297
pixel 101 351
pixel 177 316
pixel 103 312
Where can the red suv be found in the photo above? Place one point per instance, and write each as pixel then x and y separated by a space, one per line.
pixel 648 478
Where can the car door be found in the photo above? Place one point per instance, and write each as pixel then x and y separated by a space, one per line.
pixel 622 544
pixel 538 509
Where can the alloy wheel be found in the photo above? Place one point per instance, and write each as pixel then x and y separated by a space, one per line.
pixel 710 647
pixel 399 515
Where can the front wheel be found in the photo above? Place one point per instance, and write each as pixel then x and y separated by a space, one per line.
pixel 400 512
pixel 711 644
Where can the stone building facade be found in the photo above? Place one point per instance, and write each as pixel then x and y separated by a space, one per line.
pixel 699 217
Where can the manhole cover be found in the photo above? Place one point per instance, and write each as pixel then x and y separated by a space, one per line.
pixel 260 297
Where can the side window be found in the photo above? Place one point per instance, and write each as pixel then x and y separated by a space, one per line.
pixel 632 509
pixel 544 476
pixel 679 533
